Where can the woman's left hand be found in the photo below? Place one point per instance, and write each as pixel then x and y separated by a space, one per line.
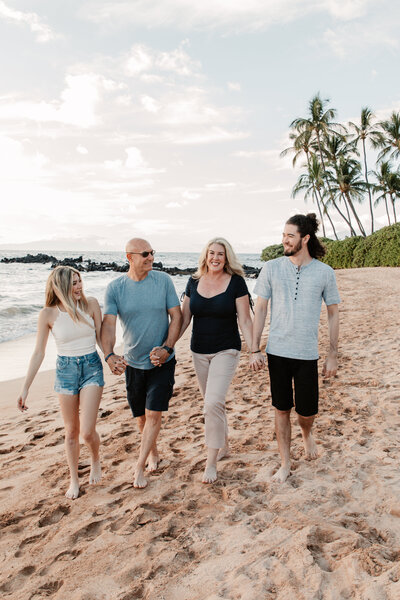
pixel 21 401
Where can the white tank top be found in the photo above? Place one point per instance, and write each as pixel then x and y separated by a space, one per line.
pixel 74 339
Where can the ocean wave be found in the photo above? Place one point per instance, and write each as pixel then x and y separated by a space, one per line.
pixel 19 310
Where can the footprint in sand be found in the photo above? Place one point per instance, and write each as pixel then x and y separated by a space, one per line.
pixel 54 516
pixel 47 590
pixel 89 532
pixel 29 541
pixel 16 582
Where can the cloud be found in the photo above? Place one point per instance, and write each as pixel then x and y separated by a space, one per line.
pixel 176 204
pixel 150 104
pixel 233 16
pixel 43 32
pixel 354 39
pixel 20 161
pixel 234 86
pixel 143 61
pixel 219 186
pixel 208 135
pixel 76 106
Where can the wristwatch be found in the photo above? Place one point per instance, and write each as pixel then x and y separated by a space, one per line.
pixel 168 349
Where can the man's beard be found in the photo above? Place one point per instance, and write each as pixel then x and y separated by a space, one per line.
pixel 294 250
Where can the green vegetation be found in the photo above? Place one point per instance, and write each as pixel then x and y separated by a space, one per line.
pixel 270 252
pixel 380 249
pixel 336 176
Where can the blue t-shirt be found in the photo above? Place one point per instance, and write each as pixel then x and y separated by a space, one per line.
pixel 142 308
pixel 296 297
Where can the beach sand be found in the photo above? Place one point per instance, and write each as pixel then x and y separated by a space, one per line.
pixel 331 531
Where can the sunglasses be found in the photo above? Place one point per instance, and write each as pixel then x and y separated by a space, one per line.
pixel 145 253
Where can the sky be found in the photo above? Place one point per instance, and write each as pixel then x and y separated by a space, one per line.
pixel 165 119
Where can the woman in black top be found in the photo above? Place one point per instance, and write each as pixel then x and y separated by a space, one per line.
pixel 217 297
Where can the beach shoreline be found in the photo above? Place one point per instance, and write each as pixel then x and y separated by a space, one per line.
pixel 332 530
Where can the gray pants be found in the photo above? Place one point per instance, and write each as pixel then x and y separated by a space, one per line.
pixel 215 373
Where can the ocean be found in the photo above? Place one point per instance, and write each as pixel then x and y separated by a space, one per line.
pixel 22 285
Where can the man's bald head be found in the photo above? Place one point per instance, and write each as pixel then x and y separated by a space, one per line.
pixel 137 245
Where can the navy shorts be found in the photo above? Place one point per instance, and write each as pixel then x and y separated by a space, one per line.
pixel 73 373
pixel 150 388
pixel 304 373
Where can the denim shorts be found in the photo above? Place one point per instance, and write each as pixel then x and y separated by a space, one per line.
pixel 73 373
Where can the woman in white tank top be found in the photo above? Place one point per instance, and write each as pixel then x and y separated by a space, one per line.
pixel 75 322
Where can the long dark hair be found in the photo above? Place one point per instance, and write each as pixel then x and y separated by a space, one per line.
pixel 308 225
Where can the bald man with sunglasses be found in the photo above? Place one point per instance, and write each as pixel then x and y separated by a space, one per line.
pixel 149 311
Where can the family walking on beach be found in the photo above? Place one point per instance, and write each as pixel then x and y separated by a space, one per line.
pixel 217 299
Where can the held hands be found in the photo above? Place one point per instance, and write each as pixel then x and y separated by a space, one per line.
pixel 117 364
pixel 21 401
pixel 158 356
pixel 330 366
pixel 256 361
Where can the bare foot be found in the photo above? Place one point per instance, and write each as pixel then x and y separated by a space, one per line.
pixel 310 447
pixel 282 474
pixel 139 480
pixel 210 474
pixel 223 452
pixel 153 462
pixel 73 491
pixel 95 472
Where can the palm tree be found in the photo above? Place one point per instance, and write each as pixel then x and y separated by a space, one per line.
pixel 320 122
pixel 362 132
pixel 388 185
pixel 302 143
pixel 312 183
pixel 347 185
pixel 308 133
pixel 391 137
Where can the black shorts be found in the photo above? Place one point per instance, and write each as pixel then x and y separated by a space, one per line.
pixel 150 388
pixel 282 372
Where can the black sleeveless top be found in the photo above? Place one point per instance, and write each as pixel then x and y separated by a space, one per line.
pixel 215 326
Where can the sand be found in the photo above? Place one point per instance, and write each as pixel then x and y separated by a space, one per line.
pixel 331 531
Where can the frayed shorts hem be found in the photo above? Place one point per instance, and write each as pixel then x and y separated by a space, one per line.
pixel 76 392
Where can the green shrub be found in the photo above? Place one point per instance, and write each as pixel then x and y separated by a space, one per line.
pixel 339 254
pixel 381 249
pixel 270 252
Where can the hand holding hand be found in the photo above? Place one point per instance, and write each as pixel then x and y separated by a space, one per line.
pixel 158 356
pixel 256 361
pixel 117 364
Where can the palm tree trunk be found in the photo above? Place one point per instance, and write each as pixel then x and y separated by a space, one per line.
pixel 327 182
pixel 315 194
pixel 368 188
pixel 394 208
pixel 387 210
pixel 327 214
pixel 360 225
pixel 348 221
pixel 320 212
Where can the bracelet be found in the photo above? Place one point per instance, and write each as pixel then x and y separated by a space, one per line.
pixel 108 356
pixel 255 351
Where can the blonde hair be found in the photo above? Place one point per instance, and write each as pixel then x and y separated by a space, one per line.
pixel 59 290
pixel 232 265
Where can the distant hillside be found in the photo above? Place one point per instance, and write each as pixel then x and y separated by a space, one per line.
pixel 381 249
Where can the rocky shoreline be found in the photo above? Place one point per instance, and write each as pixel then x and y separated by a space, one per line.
pixel 89 265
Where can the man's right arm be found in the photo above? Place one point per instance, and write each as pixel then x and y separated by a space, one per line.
pixel 116 363
pixel 257 359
